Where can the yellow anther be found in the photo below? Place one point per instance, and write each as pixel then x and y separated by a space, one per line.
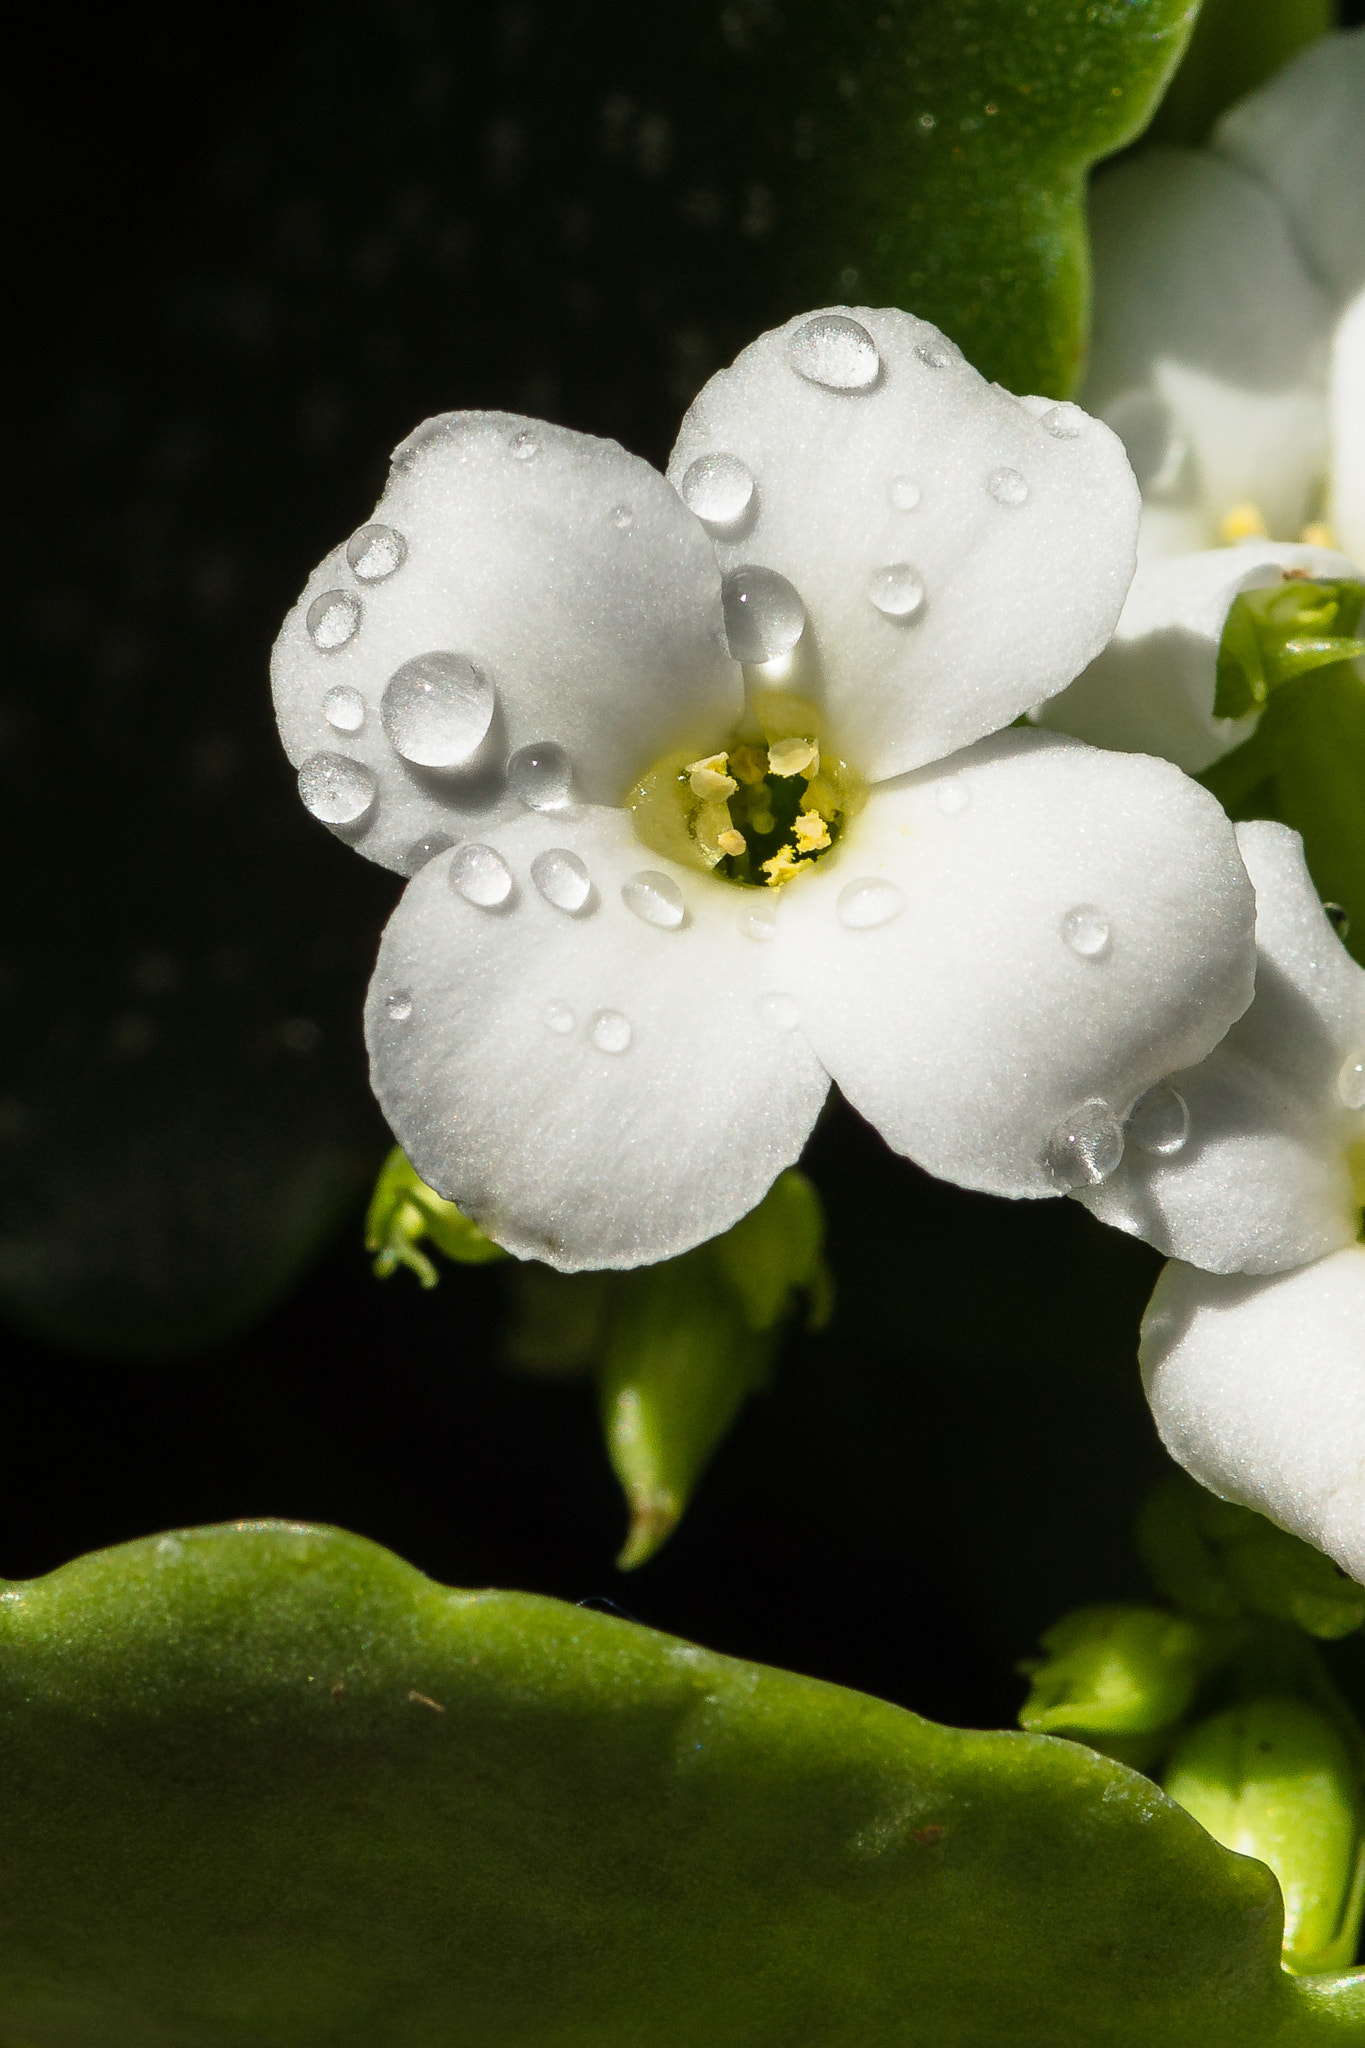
pixel 793 757
pixel 1243 522
pixel 781 867
pixel 750 764
pixel 1317 535
pixel 811 832
pixel 711 829
pixel 709 779
pixel 731 842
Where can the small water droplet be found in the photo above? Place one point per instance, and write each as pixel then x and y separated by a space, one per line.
pixel 654 897
pixel 904 493
pixel 398 1005
pixel 867 902
pixel 621 517
pixel 561 878
pixel 1338 918
pixel 759 925
pixel 1086 931
pixel 333 619
pixel 335 789
pixel 609 1031
pixel 436 710
pixel 764 616
pixel 897 591
pixel 559 1017
pixel 1160 1121
pixel 480 875
pixel 836 352
pixel 1007 487
pixel 424 849
pixel 1351 1081
pixel 778 1012
pixel 525 446
pixel 344 708
pixel 375 552
pixel 1086 1147
pixel 952 796
pixel 540 775
pixel 719 489
pixel 934 358
pixel 1065 422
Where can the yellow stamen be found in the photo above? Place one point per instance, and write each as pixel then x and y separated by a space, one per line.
pixel 709 779
pixel 781 867
pixel 749 764
pixel 793 757
pixel 1243 522
pixel 811 832
pixel 731 842
pixel 1318 535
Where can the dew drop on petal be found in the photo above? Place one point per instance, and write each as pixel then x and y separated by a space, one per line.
pixel 1065 422
pixel 719 489
pixel 540 775
pixel 764 616
pixel 559 1017
pixel 398 1005
pixel 1086 931
pixel 1160 1121
pixel 621 517
pixel 952 796
pixel 934 358
pixel 609 1031
pixel 1351 1081
pixel 655 897
pixel 344 708
pixel 904 493
pixel 375 552
pixel 335 789
pixel 436 710
pixel 836 352
pixel 333 619
pixel 778 1012
pixel 424 849
pixel 561 878
pixel 1339 918
pixel 897 591
pixel 480 875
pixel 1007 487
pixel 525 446
pixel 868 902
pixel 1086 1147
pixel 760 925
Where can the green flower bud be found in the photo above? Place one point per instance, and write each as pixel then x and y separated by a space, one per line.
pixel 403 1210
pixel 1289 629
pixel 1117 1678
pixel 1219 1561
pixel 1276 1780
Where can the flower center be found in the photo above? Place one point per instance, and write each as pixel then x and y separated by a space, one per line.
pixel 760 810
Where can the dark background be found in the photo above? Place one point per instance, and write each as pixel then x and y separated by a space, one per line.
pixel 245 263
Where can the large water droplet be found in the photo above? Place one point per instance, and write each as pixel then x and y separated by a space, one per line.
pixel 333 619
pixel 374 552
pixel 1351 1081
pixel 398 1005
pixel 540 775
pixel 836 352
pixel 480 875
pixel 867 902
pixel 525 445
pixel 655 897
pixel 1007 487
pixel 559 1017
pixel 344 708
pixel 1086 1147
pixel 757 924
pixel 561 878
pixel 1086 931
pixel 904 493
pixel 1065 422
pixel 1160 1121
pixel 337 790
pixel 609 1031
pixel 764 616
pixel 778 1012
pixel 437 709
pixel 719 489
pixel 897 591
pixel 424 849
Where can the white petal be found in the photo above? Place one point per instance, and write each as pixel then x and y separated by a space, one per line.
pixel 1348 429
pixel 1209 350
pixel 593 1087
pixel 1062 920
pixel 1263 1180
pixel 568 574
pixel 958 560
pixel 1303 135
pixel 1258 1389
pixel 1152 689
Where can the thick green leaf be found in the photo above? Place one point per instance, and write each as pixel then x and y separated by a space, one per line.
pixel 266 1785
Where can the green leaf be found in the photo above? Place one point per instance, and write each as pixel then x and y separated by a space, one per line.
pixel 268 1787
pixel 1274 635
pixel 1237 45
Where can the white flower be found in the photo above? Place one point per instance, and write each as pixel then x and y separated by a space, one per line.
pixel 586 1027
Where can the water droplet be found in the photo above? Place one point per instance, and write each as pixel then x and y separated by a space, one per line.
pixel 344 708
pixel 778 1012
pixel 609 1031
pixel 559 1017
pixel 904 493
pixel 1338 918
pixel 561 878
pixel 480 875
pixel 1064 422
pixel 1160 1121
pixel 897 591
pixel 836 352
pixel 525 446
pixel 621 517
pixel 333 619
pixel 374 552
pixel 952 796
pixel 337 790
pixel 719 489
pixel 540 775
pixel 437 709
pixel 934 358
pixel 655 897
pixel 398 1005
pixel 1351 1081
pixel 760 925
pixel 1007 487
pixel 1086 931
pixel 867 902
pixel 764 616
pixel 1086 1148
pixel 424 849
